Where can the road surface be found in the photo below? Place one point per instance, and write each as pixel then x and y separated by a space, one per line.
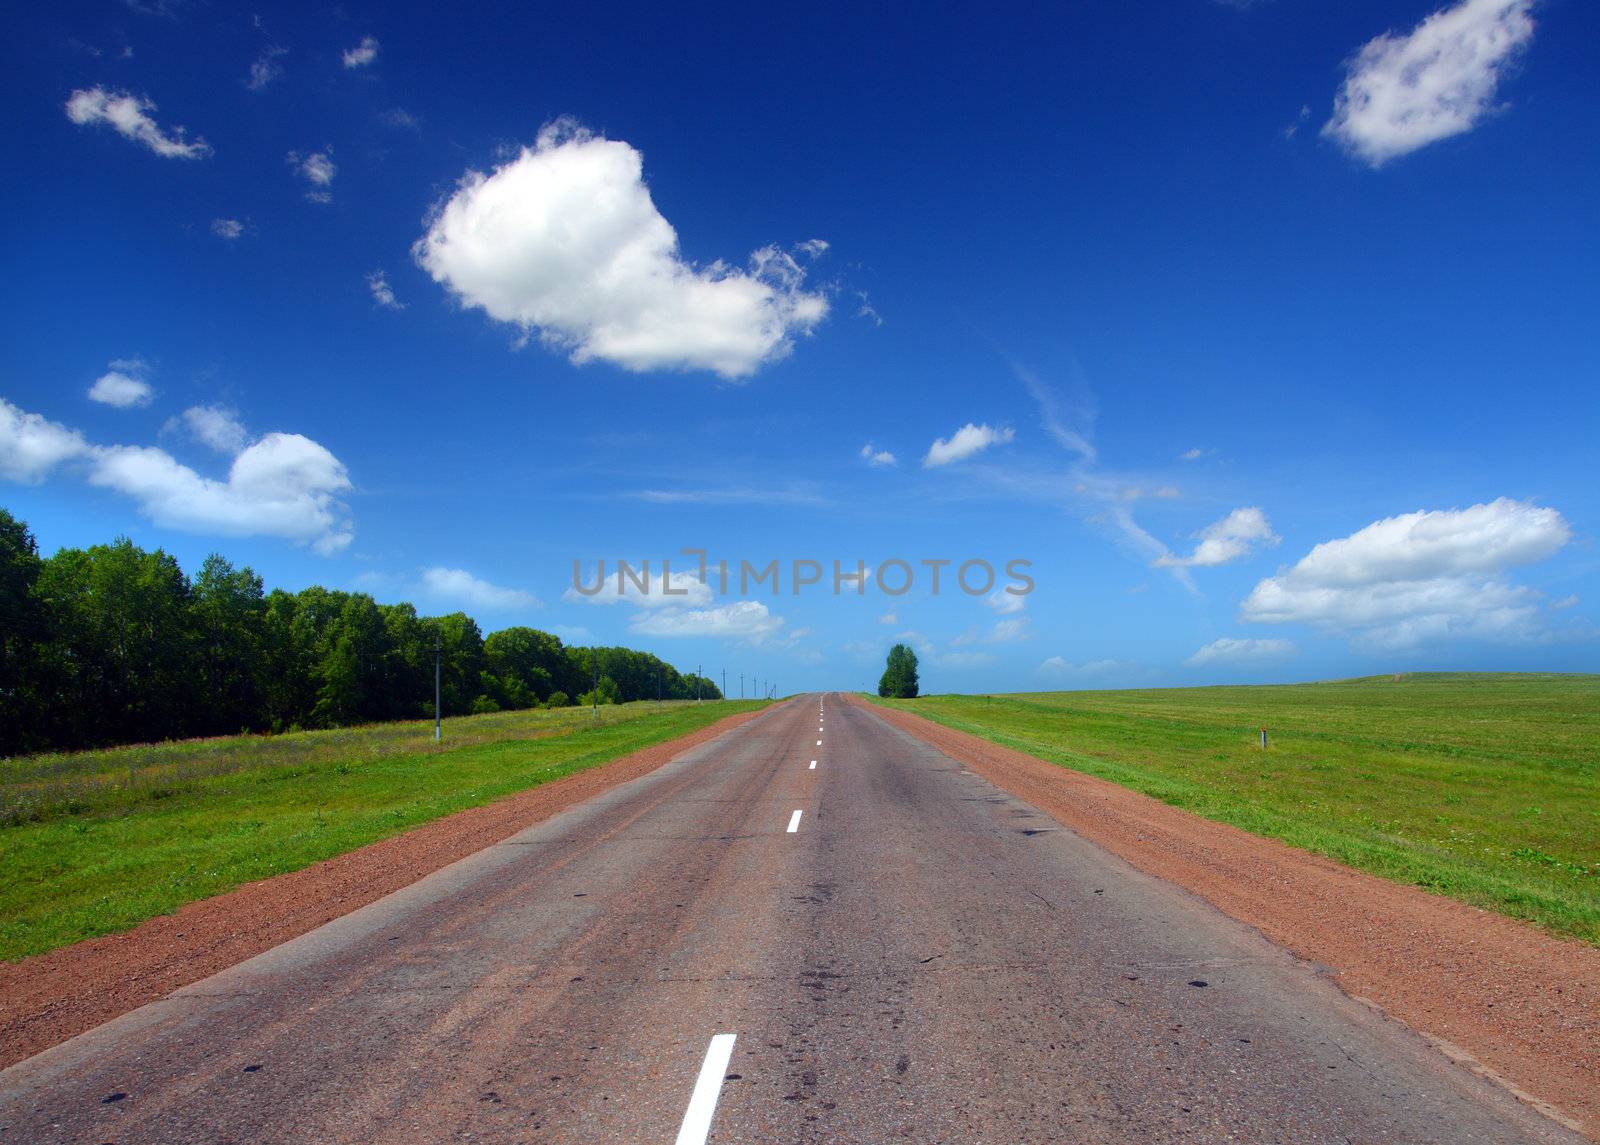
pixel 744 947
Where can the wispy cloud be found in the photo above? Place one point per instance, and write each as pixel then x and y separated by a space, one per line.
pixel 129 116
pixel 1234 651
pixel 734 495
pixel 382 293
pixel 363 54
pixel 266 67
pixel 318 169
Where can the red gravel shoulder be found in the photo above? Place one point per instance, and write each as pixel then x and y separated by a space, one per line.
pixel 1498 995
pixel 51 997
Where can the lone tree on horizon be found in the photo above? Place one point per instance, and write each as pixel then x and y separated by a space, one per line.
pixel 899 679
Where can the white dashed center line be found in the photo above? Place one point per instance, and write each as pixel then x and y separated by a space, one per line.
pixel 707 1088
pixel 794 822
pixel 819 743
pixel 813 766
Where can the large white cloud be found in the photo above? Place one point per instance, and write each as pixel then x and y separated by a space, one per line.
pixel 1404 92
pixel 284 485
pixel 965 442
pixel 461 586
pixel 31 445
pixel 1419 577
pixel 565 242
pixel 1226 540
pixel 129 115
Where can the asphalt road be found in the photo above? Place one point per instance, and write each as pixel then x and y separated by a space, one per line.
pixel 914 956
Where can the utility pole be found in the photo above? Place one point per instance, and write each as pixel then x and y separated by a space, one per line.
pixel 741 685
pixel 724 683
pixel 697 683
pixel 438 720
pixel 658 687
pixel 594 693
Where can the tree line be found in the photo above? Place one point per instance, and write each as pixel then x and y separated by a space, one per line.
pixel 116 644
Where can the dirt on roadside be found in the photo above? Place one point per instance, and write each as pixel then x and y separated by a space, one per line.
pixel 1496 994
pixel 51 997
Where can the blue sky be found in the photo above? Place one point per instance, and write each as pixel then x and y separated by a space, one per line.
pixel 1159 297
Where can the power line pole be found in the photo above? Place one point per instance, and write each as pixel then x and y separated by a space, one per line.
pixel 697 683
pixel 594 693
pixel 741 685
pixel 724 683
pixel 438 716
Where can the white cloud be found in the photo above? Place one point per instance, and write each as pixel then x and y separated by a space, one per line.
pixel 123 385
pixel 1141 493
pixel 1010 629
pixel 31 445
pixel 284 485
pixel 1193 454
pixel 963 659
pixel 746 620
pixel 229 229
pixel 266 67
pixel 318 169
pixel 1230 650
pixel 875 456
pixel 129 116
pixel 965 442
pixel 217 427
pixel 794 494
pixel 1419 577
pixel 1404 92
pixel 890 617
pixel 565 242
pixel 687 589
pixel 460 586
pixel 1005 631
pixel 1226 540
pixel 398 117
pixel 362 54
pixel 382 293
pixel 1005 602
pixel 1060 668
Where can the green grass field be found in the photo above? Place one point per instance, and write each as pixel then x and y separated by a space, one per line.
pixel 96 842
pixel 1482 787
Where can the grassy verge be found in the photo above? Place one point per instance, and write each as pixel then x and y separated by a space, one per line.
pixel 1485 788
pixel 133 832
